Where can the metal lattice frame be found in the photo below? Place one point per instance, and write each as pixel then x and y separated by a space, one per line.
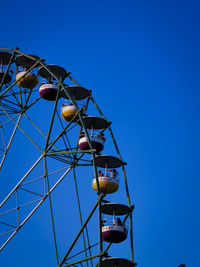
pixel 14 104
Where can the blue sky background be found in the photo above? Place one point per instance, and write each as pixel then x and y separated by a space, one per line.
pixel 141 60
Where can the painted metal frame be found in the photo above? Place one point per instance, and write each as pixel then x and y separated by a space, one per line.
pixel 72 158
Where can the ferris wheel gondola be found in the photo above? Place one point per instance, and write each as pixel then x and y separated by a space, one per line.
pixel 116 231
pixel 68 110
pixel 109 177
pixel 5 76
pixel 25 78
pixel 117 262
pixel 94 125
pixel 48 89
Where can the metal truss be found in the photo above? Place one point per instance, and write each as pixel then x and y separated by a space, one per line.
pixel 32 190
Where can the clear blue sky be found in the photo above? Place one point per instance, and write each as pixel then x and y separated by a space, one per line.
pixel 141 59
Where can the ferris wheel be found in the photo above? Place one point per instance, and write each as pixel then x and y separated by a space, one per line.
pixel 66 133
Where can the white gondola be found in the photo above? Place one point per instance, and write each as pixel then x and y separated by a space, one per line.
pixel 97 138
pixel 97 142
pixel 115 231
pixel 48 91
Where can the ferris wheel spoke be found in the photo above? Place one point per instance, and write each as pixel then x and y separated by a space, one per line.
pixel 51 143
pixel 21 129
pixel 14 96
pixel 12 226
pixel 67 143
pixel 21 181
pixel 10 141
pixel 41 199
pixel 10 102
pixel 83 260
pixel 51 209
pixel 9 109
pixel 80 232
pixel 80 214
pixel 35 101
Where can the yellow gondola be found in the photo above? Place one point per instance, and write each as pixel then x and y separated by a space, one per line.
pixel 107 185
pixel 108 178
pixel 68 112
pixel 28 80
